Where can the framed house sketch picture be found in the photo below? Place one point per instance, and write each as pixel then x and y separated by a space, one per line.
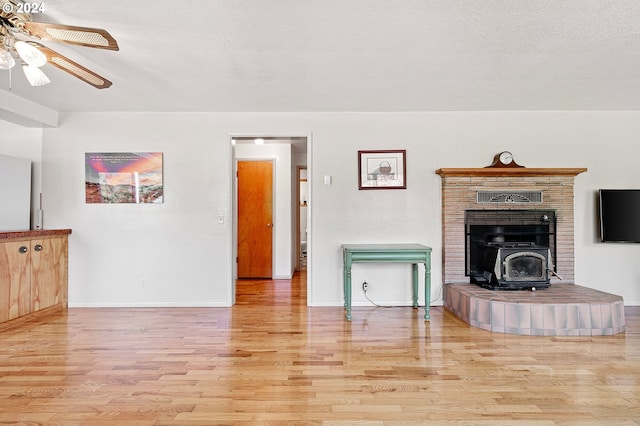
pixel 382 169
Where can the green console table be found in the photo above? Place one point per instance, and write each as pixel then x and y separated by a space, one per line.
pixel 397 253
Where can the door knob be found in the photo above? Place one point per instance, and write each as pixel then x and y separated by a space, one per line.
pixel 23 249
pixel 269 225
pixel 37 247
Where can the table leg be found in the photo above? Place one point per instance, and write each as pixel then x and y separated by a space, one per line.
pixel 427 289
pixel 347 285
pixel 414 268
pixel 344 279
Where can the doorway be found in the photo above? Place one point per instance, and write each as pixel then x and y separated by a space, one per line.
pixel 286 153
pixel 301 218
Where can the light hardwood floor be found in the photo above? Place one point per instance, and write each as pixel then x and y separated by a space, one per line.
pixel 272 360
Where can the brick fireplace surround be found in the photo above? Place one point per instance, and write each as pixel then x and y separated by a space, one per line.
pixel 564 308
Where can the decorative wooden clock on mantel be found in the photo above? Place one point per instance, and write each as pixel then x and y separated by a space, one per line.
pixel 504 159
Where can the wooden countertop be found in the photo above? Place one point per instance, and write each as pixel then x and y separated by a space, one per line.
pixel 35 233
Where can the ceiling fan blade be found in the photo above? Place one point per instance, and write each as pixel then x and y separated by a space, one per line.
pixel 73 68
pixel 83 36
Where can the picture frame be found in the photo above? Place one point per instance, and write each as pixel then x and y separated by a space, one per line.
pixel 382 169
pixel 124 178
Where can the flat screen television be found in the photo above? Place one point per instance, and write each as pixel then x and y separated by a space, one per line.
pixel 620 215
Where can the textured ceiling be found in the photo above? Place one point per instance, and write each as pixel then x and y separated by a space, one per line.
pixel 356 55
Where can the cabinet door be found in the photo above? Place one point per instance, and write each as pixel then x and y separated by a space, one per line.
pixel 48 263
pixel 15 292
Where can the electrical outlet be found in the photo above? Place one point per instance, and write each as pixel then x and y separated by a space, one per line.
pixel 365 286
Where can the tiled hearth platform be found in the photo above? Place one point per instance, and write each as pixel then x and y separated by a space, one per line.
pixel 560 310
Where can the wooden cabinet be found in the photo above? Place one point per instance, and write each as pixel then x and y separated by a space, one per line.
pixel 33 273
pixel 15 280
pixel 48 272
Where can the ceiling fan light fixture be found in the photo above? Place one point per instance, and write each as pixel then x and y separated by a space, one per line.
pixel 6 60
pixel 35 75
pixel 30 54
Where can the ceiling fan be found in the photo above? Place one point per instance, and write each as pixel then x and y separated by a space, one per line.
pixel 18 33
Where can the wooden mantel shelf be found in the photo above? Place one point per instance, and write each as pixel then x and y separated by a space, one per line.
pixel 510 171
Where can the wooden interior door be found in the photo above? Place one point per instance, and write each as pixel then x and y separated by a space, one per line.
pixel 255 219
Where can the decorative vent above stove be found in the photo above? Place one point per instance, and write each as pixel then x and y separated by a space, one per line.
pixel 509 197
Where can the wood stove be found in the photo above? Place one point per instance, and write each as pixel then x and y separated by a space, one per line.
pixel 510 249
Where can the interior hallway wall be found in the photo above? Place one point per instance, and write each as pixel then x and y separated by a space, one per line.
pixel 185 256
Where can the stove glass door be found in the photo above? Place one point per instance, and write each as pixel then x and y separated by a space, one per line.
pixel 525 266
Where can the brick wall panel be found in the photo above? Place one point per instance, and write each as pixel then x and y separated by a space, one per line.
pixel 459 194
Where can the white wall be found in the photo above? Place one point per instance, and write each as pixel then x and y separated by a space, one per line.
pixel 185 256
pixel 25 142
pixel 176 248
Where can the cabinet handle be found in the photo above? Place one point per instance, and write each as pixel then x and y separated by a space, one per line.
pixel 23 249
pixel 38 247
